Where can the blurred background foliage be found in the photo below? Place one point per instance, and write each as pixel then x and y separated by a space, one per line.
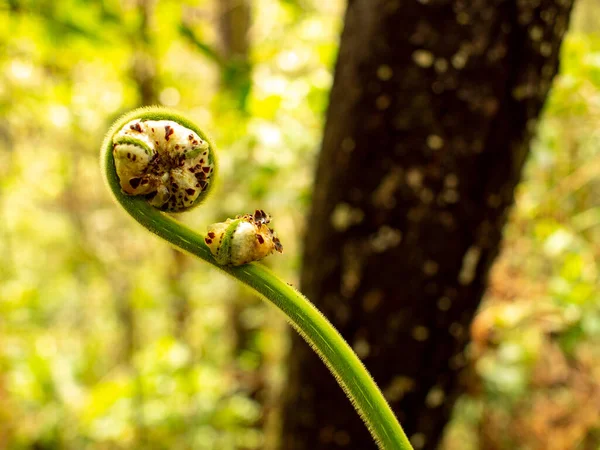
pixel 109 339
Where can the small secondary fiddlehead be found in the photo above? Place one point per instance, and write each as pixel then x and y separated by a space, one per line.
pixel 155 160
pixel 242 240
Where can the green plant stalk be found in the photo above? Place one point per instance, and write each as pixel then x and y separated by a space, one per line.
pixel 312 325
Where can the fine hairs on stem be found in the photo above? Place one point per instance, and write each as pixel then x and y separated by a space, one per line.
pixel 156 160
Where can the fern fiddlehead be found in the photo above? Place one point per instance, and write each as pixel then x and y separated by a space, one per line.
pixel 154 161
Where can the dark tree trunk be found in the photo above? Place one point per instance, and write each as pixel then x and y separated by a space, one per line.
pixel 432 110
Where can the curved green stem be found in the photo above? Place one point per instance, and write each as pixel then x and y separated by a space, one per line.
pixel 300 312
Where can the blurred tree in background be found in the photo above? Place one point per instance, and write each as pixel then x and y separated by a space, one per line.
pixel 110 340
pixel 432 109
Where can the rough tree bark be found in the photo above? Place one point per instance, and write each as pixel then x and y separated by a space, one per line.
pixel 432 110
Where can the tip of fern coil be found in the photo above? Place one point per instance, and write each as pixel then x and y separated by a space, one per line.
pixel 162 156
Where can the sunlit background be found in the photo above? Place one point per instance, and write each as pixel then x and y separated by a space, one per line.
pixel 111 340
